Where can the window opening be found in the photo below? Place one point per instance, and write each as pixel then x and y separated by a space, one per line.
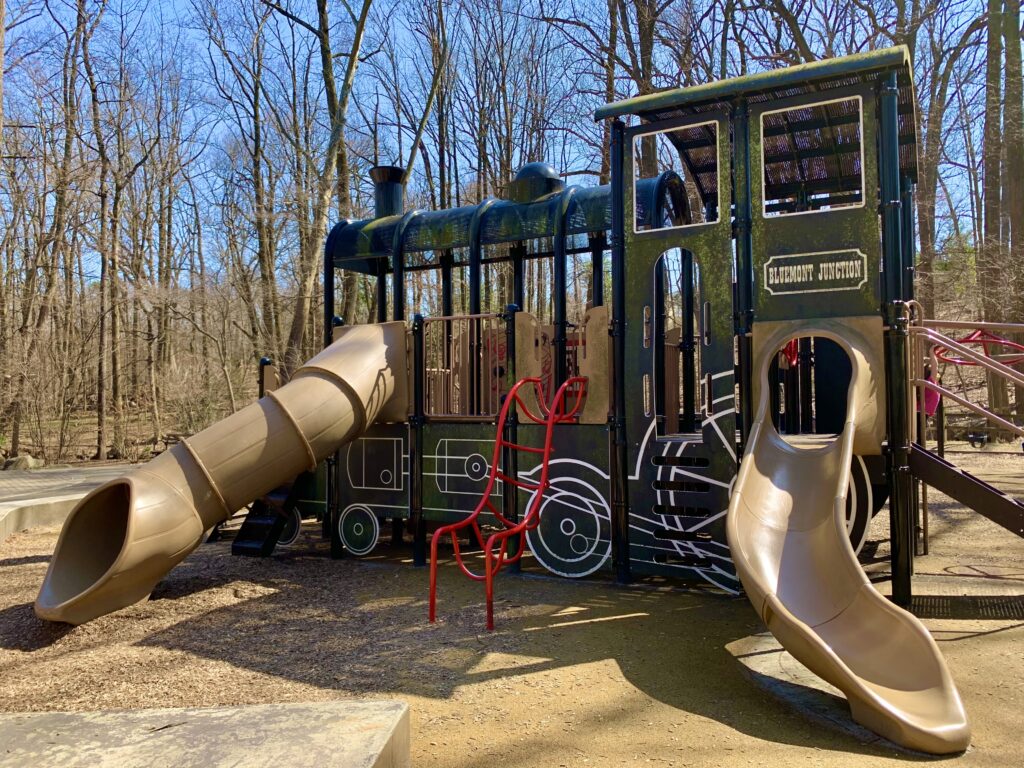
pixel 809 380
pixel 689 194
pixel 813 158
pixel 678 347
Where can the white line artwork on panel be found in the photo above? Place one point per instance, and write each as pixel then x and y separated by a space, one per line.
pixel 376 463
pixel 460 468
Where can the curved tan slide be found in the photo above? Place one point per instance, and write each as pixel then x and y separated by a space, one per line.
pixel 792 554
pixel 124 537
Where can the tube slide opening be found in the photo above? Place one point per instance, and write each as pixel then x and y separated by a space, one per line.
pixel 808 380
pixel 92 540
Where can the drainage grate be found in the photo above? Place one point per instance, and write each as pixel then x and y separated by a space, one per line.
pixel 992 607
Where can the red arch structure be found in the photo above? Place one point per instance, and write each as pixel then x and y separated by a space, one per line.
pixel 563 409
pixel 987 341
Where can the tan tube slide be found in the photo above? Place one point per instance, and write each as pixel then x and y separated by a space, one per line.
pixel 792 554
pixel 124 537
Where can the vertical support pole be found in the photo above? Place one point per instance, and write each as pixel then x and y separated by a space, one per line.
pixel 447 261
pixel 328 337
pixel 447 301
pixel 744 318
pixel 262 381
pixel 419 525
pixel 940 427
pixel 561 288
pixel 901 506
pixel 598 244
pixel 620 470
pixel 909 236
pixel 475 270
pixel 518 254
pixel 792 388
pixel 398 281
pixel 806 391
pixel 688 346
pixel 332 464
pixel 328 292
pixel 774 406
pixel 382 295
pixel 658 342
pixel 510 459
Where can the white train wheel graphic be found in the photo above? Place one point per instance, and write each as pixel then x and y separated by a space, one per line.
pixel 292 527
pixel 860 504
pixel 573 538
pixel 358 529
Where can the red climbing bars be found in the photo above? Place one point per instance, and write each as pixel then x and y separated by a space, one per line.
pixel 564 408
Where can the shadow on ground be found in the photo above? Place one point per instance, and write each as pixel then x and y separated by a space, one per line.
pixel 20 630
pixel 361 626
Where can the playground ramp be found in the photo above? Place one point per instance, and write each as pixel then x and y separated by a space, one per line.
pixel 124 537
pixel 799 570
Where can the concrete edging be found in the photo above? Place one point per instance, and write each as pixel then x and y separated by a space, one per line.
pixel 334 734
pixel 18 515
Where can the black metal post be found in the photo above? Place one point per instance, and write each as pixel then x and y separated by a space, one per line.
pixel 658 341
pixel 620 468
pixel 791 384
pixel 518 254
pixel 510 459
pixel 447 261
pixel 744 264
pixel 688 346
pixel 332 464
pixel 328 294
pixel 264 362
pixel 889 181
pixel 806 390
pixel 909 236
pixel 560 290
pixel 398 269
pixel 382 298
pixel 475 269
pixel 416 422
pixel 598 244
pixel 901 506
pixel 774 406
pixel 940 427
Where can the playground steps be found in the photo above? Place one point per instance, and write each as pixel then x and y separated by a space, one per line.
pixel 262 527
pixel 987 500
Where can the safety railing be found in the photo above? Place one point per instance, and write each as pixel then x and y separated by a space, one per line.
pixel 466 361
pixel 925 338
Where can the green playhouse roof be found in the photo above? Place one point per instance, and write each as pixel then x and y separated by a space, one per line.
pixel 824 142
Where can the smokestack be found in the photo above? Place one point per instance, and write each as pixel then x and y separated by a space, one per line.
pixel 388 190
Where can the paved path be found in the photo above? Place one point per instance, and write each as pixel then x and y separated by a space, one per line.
pixel 29 498
pixel 23 485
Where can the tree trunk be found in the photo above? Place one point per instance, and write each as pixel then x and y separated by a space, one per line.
pixel 991 261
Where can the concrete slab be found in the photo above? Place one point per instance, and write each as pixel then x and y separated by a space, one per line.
pixel 345 734
pixel 25 485
pixel 46 496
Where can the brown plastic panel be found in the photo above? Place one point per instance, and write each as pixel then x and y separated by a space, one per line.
pixel 789 546
pixel 595 363
pixel 124 537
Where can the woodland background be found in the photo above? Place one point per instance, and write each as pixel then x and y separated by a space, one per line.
pixel 169 170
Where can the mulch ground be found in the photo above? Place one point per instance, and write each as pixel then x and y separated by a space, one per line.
pixel 577 673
